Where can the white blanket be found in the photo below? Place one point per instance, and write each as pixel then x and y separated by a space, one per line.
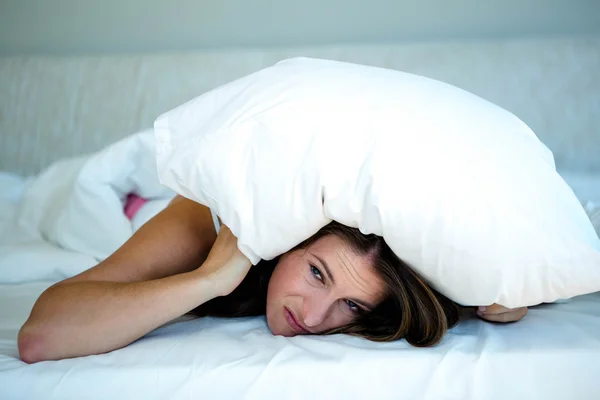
pixel 72 213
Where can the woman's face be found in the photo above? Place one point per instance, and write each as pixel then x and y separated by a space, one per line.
pixel 319 288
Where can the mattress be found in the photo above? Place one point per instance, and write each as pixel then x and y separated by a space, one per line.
pixel 551 354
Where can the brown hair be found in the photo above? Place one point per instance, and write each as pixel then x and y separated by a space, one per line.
pixel 411 310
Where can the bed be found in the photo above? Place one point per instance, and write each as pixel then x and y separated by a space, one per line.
pixel 552 354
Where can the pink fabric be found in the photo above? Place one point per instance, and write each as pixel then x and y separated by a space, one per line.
pixel 133 205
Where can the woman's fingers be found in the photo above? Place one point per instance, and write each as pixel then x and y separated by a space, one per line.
pixel 494 309
pixel 498 313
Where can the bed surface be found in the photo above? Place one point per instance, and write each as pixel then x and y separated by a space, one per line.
pixel 552 354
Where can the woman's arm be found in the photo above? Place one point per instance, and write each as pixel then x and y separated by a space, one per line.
pixel 178 239
pixel 150 280
pixel 91 317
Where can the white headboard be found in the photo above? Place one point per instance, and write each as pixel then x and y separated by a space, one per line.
pixel 53 107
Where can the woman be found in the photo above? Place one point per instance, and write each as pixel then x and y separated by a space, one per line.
pixel 338 281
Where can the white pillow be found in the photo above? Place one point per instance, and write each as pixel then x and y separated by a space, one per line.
pixel 461 189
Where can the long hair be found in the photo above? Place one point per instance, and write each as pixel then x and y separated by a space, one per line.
pixel 411 309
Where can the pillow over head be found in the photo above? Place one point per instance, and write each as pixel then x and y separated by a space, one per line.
pixel 460 189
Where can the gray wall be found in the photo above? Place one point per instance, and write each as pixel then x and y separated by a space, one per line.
pixel 83 26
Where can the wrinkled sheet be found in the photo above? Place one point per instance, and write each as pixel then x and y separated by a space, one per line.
pixel 552 354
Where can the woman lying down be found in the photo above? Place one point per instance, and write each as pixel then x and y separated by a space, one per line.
pixel 338 281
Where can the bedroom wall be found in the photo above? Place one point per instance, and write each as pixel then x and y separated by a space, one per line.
pixel 75 26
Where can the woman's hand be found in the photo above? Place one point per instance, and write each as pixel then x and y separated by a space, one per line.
pixel 498 313
pixel 226 266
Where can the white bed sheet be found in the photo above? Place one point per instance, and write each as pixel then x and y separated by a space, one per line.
pixel 552 354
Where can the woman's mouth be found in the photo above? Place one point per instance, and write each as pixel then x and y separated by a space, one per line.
pixel 293 322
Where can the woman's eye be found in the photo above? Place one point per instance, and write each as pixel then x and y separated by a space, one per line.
pixel 353 306
pixel 315 271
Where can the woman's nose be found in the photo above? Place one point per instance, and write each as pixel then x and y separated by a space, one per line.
pixel 315 311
